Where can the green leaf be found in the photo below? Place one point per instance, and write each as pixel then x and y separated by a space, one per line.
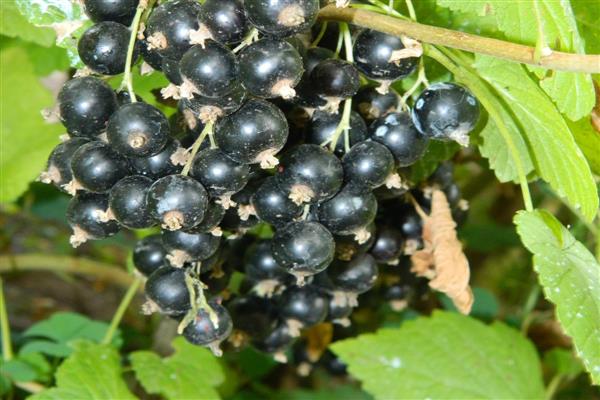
pixel 563 362
pixel 46 347
pixel 192 372
pixel 570 276
pixel 558 160
pixel 26 138
pixel 19 371
pixel 572 92
pixel 337 392
pixel 13 24
pixel 93 371
pixel 587 18
pixel 588 140
pixel 485 306
pixel 446 356
pixel 436 153
pixel 65 17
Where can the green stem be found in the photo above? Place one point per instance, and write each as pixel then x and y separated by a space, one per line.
pixel 529 306
pixel 411 10
pixel 481 92
pixel 196 146
pixel 343 125
pixel 116 320
pixel 135 25
pixel 7 351
pixel 553 386
pixel 322 31
pixel 540 43
pixel 345 30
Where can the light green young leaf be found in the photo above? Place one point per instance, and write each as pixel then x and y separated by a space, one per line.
pixel 557 158
pixel 13 24
pixel 588 140
pixel 192 372
pixel 26 138
pixel 573 93
pixel 464 359
pixel 93 371
pixel 570 276
pixel 65 17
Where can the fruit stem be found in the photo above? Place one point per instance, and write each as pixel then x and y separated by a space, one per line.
pixel 317 40
pixel 118 316
pixel 7 350
pixel 135 25
pixel 250 38
pixel 396 26
pixel 411 9
pixel 196 146
pixel 343 126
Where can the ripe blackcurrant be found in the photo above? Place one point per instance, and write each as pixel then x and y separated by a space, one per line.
pixel 368 165
pixel 346 246
pixel 218 173
pixel 127 201
pixel 350 211
pixel 149 254
pixel 309 173
pixel 58 168
pixel 306 93
pixel 446 111
pixel 223 21
pixel 205 109
pixel 177 201
pixel 356 276
pixel 397 132
pixel 212 218
pixel 210 70
pixel 186 247
pixel 97 167
pixel 138 130
pixel 303 248
pixel 335 80
pixel 339 311
pixel 273 205
pixel 121 11
pixel 204 331
pixel 167 290
pixel 260 267
pixel 166 162
pixel 371 104
pixel 283 17
pixel 388 246
pixel 253 134
pixel 103 47
pixel 275 341
pixel 270 68
pixel 323 125
pixel 86 104
pixel 375 55
pixel 85 216
pixel 170 68
pixel 302 307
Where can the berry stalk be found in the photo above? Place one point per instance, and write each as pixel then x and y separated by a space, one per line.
pixel 7 351
pixel 135 25
pixel 118 316
pixel 196 146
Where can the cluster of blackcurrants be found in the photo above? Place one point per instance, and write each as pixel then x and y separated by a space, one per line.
pixel 246 80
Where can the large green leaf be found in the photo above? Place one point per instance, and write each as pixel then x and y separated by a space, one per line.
pixel 556 156
pixel 65 17
pixel 93 371
pixel 573 93
pixel 191 373
pixel 13 24
pixel 26 138
pixel 570 277
pixel 446 356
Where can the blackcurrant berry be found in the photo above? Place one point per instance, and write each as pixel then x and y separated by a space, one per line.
pixel 178 202
pixel 376 56
pixel 356 276
pixel 446 111
pixel 184 247
pixel 138 130
pixel 273 205
pixel 127 201
pixel 86 104
pixel 339 312
pixel 103 47
pixel 371 104
pixel 167 162
pixel 283 17
pixel 368 165
pixel 397 132
pixel 97 167
pixel 85 216
pixel 121 11
pixel 335 80
pixel 303 248
pixel 218 173
pixel 253 134
pixel 170 68
pixel 223 21
pixel 151 55
pixel 210 70
pixel 58 168
pixel 149 254
pixel 210 328
pixel 309 173
pixel 346 246
pixel 323 125
pixel 302 307
pixel 169 27
pixel 276 341
pixel 167 290
pixel 205 109
pixel 212 218
pixel 306 93
pixel 350 211
pixel 261 265
pixel 270 68
pixel 388 246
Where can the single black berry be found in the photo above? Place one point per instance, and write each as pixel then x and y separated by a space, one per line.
pixel 355 276
pixel 218 173
pixel 199 110
pixel 368 165
pixel 223 21
pixel 303 307
pixel 58 168
pixel 335 79
pixel 97 167
pixel 322 126
pixel 166 288
pixel 371 104
pixel 283 17
pixel 261 265
pixel 397 132
pixel 103 47
pixel 209 328
pixel 167 162
pixel 273 205
pixel 128 204
pixel 350 211
pixel 121 11
pixel 149 254
pixel 85 216
pixel 388 245
pixel 186 247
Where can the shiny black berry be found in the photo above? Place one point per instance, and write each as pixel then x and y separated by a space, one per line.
pixel 224 20
pixel 350 211
pixel 275 341
pixel 121 11
pixel 103 47
pixel 346 246
pixel 368 165
pixel 397 132
pixel 186 247
pixel 261 265
pixel 212 218
pixel 218 173
pixel 388 245
pixel 335 78
pixel 273 205
pixel 303 248
pixel 253 134
pixel 446 111
pixel 306 93
pixel 309 173
pixel 167 162
pixel 283 17
pixel 322 126
pixel 85 105
pixel 85 215
pixel 138 130
pixel 170 68
pixel 58 168
pixel 149 254
pixel 356 276
pixel 375 55
pixel 177 202
pixel 339 311
pixel 270 68
pixel 167 289
pixel 371 104
pixel 199 110
pixel 209 328
pixel 127 201
pixel 303 307
pixel 212 69
pixel 97 167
